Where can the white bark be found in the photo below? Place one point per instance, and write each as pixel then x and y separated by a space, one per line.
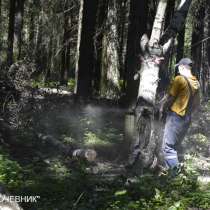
pixel 158 23
pixel 149 77
pixel 78 43
pixel 152 55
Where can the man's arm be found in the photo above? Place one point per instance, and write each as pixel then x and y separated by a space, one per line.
pixel 166 103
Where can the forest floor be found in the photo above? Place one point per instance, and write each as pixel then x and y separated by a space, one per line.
pixel 64 183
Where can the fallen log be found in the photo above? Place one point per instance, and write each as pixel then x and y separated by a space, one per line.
pixel 80 153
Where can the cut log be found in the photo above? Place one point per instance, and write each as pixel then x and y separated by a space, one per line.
pixel 87 154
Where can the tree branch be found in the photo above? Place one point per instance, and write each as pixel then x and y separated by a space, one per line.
pixel 177 22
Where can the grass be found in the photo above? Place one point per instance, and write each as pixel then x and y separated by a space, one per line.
pixel 64 183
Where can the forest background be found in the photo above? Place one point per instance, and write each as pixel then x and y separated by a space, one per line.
pixel 67 75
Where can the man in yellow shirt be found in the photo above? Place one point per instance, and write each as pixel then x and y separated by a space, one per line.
pixel 182 99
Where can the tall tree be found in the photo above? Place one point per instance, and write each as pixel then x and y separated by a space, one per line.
pixel 85 47
pixel 153 51
pixel 122 34
pixel 197 36
pixel 180 45
pixel 41 42
pixel 101 22
pixel 65 65
pixel 31 37
pixel 49 59
pixel 205 67
pixel 169 12
pixel 0 24
pixel 136 28
pixel 10 40
pixel 110 86
pixel 19 10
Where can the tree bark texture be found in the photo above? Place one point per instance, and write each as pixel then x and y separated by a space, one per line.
pixel 85 49
pixel 158 23
pixel 40 50
pixel 10 39
pixel 49 59
pixel 32 29
pixel 123 32
pixel 196 43
pixel 154 50
pixel 1 25
pixel 19 10
pixel 101 23
pixel 180 45
pixel 205 67
pixel 65 66
pixel 110 86
pixel 169 13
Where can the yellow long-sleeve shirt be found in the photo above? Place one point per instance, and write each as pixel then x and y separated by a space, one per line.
pixel 180 90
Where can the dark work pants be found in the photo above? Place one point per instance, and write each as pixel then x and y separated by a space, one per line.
pixel 175 129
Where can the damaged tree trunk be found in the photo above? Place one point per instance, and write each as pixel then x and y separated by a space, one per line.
pixel 154 50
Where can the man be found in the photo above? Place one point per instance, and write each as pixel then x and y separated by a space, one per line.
pixel 183 99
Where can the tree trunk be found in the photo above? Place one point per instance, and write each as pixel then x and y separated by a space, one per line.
pixel 152 8
pixel 101 21
pixel 122 31
pixel 110 86
pixel 10 40
pixel 39 45
pixel 32 29
pixel 1 36
pixel 180 45
pixel 196 45
pixel 153 51
pixel 136 28
pixel 85 47
pixel 49 59
pixel 19 10
pixel 149 79
pixel 205 67
pixel 65 55
pixel 169 13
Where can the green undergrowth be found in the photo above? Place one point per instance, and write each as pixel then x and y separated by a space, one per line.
pixel 37 169
pixel 53 84
pixel 68 186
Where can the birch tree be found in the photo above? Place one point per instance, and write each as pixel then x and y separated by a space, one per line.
pixel 154 50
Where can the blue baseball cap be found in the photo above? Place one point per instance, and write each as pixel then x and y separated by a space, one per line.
pixel 185 61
